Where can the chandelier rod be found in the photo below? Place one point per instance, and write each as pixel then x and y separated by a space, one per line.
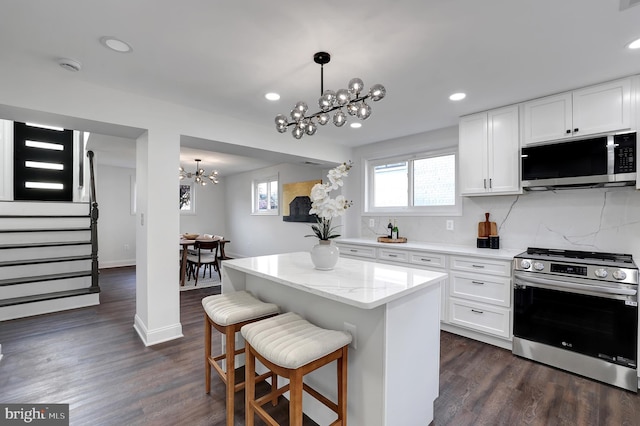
pixel 321 58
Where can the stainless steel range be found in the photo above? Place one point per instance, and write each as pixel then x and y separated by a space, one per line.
pixel 578 311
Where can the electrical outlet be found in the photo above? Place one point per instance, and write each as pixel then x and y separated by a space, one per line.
pixel 449 225
pixel 126 247
pixel 351 329
pixel 372 223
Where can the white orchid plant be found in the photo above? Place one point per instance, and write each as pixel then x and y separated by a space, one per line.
pixel 325 207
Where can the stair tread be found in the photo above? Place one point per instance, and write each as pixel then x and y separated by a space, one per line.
pixel 45 244
pixel 45 260
pixel 48 296
pixel 6 231
pixel 47 277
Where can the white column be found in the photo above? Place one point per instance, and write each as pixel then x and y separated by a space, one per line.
pixel 157 316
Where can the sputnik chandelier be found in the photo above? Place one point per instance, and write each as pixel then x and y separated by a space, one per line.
pixel 350 99
pixel 199 176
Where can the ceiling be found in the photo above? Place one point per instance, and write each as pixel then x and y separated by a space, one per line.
pixel 223 56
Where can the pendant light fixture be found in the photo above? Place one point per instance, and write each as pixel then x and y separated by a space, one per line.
pixel 199 176
pixel 350 100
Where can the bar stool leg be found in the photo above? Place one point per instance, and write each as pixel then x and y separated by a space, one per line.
pixel 207 353
pixel 342 386
pixel 295 398
pixel 231 372
pixel 249 387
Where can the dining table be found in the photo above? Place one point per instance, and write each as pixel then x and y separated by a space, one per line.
pixel 185 244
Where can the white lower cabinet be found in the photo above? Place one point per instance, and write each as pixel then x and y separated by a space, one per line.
pixel 480 288
pixel 350 250
pixel 476 298
pixel 480 294
pixel 481 317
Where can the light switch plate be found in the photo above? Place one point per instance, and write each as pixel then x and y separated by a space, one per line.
pixel 372 223
pixel 449 225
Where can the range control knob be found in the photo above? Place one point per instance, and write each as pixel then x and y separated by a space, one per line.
pixel 525 264
pixel 619 274
pixel 538 266
pixel 601 273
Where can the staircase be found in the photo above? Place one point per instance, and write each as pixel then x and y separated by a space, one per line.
pixel 48 256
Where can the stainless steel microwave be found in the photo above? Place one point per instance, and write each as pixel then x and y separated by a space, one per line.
pixel 594 162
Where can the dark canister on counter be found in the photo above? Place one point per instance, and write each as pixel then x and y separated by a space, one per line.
pixel 483 242
pixel 494 241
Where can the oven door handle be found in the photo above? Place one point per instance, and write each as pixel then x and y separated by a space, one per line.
pixel 559 285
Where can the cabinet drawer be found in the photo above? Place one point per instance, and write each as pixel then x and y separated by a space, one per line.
pixel 480 265
pixel 359 251
pixel 488 319
pixel 393 255
pixel 481 288
pixel 433 260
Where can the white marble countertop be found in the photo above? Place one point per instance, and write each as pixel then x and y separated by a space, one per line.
pixel 502 254
pixel 354 282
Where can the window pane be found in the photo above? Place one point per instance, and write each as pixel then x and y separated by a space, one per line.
pixel 262 196
pixel 434 181
pixel 273 197
pixel 390 183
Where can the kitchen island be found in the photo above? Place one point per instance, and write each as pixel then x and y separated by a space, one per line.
pixel 394 312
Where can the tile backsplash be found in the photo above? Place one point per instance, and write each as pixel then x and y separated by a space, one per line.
pixel 605 220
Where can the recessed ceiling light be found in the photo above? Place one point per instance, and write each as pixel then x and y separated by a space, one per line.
pixel 458 96
pixel 356 125
pixel 272 96
pixel 635 44
pixel 115 44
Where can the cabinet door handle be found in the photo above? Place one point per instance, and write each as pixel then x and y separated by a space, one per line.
pixel 485 183
pixel 477 312
pixel 478 266
pixel 575 130
pixel 478 282
pixel 353 251
pixel 392 255
pixel 568 131
pixel 490 183
pixel 425 260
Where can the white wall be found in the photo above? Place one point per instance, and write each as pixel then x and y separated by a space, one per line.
pixel 210 212
pixel 581 219
pixel 116 223
pixel 253 235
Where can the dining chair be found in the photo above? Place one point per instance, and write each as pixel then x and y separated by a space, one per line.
pixel 205 254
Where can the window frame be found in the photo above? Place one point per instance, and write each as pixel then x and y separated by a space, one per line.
pixel 410 210
pixel 255 211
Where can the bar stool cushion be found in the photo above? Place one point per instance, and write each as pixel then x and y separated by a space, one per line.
pixel 290 341
pixel 235 307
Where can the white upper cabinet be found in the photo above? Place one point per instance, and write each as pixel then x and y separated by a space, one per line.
pixel 596 109
pixel 489 152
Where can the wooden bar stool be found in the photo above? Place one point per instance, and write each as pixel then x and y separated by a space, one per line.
pixel 292 347
pixel 227 313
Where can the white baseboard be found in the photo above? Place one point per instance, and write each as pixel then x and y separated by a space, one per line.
pixel 482 337
pixel 159 335
pixel 117 263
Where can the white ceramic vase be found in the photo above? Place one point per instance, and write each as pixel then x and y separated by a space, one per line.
pixel 324 255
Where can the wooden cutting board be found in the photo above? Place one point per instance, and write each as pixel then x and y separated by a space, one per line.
pixel 487 228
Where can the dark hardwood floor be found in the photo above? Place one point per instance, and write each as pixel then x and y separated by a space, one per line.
pixel 92 359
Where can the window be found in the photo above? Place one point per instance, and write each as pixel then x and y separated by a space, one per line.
pixel 423 184
pixel 264 196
